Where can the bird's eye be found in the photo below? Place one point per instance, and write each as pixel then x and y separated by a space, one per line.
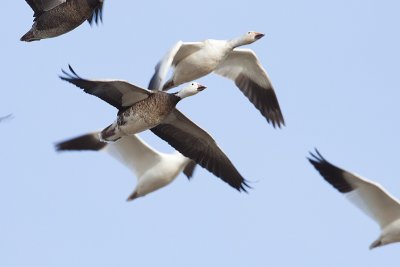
pixel 192 83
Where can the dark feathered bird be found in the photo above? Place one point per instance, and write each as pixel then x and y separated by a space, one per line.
pixel 140 109
pixel 56 17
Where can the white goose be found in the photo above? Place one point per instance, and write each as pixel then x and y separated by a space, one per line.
pixel 153 169
pixel 192 60
pixel 370 197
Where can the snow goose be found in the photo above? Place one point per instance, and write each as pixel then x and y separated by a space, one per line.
pixel 56 17
pixel 140 109
pixel 192 60
pixel 370 197
pixel 153 169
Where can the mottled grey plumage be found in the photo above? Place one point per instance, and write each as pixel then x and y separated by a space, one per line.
pixel 56 17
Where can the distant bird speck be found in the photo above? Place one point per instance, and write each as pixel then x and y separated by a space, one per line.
pixel 9 116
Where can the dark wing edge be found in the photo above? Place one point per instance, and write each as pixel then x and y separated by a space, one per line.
pixel 87 86
pixel 264 99
pixel 332 174
pixel 89 141
pixel 207 159
pixel 97 15
pixel 155 80
pixel 189 169
pixel 37 9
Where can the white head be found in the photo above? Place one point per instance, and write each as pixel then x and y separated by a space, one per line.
pixel 248 38
pixel 192 89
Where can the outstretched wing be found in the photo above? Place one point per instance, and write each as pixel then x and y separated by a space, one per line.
pixel 40 6
pixel 119 94
pixel 243 67
pixel 196 144
pixel 367 195
pixel 178 52
pixel 97 15
pixel 131 150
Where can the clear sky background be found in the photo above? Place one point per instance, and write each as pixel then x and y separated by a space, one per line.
pixel 335 69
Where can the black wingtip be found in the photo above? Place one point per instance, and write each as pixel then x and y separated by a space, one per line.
pixel 273 114
pixel 244 186
pixel 89 141
pixel 332 174
pixel 263 98
pixel 316 159
pixel 189 169
pixel 278 122
pixel 69 76
pixel 97 15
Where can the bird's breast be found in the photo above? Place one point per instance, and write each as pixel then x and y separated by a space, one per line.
pixel 146 114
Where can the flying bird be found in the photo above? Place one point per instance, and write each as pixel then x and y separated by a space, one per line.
pixel 370 197
pixel 152 168
pixel 56 17
pixel 193 60
pixel 4 118
pixel 141 109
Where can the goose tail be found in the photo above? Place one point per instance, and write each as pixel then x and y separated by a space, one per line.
pixel 29 37
pixel 133 196
pixel 110 134
pixel 376 243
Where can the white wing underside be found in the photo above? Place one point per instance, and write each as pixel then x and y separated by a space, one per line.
pixel 134 153
pixel 245 62
pixel 371 198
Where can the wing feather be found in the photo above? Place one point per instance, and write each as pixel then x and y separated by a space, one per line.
pixel 243 67
pixel 196 144
pixel 119 94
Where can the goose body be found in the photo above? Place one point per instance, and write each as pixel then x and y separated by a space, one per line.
pixel 152 168
pixel 193 60
pixel 369 196
pixel 142 116
pixel 56 17
pixel 211 53
pixel 140 109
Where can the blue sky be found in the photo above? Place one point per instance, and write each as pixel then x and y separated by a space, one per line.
pixel 335 69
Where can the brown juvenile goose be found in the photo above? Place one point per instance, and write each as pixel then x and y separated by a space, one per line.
pixel 140 109
pixel 56 17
